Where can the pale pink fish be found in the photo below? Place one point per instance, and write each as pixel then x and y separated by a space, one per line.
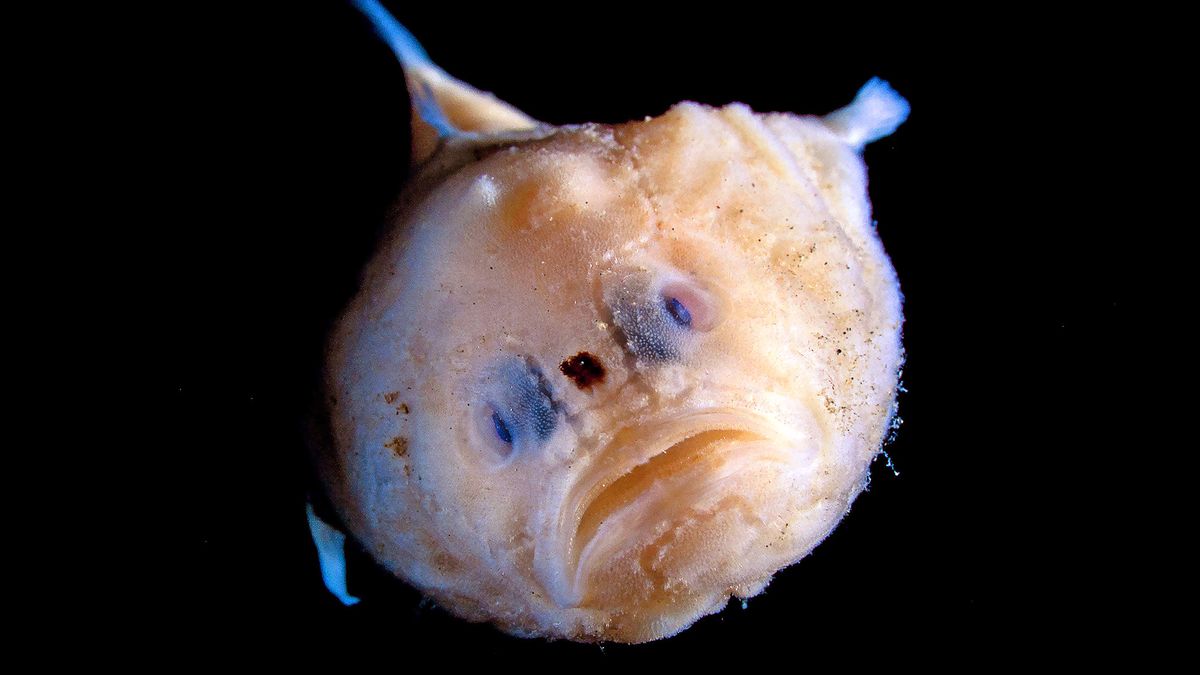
pixel 599 379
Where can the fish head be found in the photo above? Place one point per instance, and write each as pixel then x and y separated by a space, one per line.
pixel 600 378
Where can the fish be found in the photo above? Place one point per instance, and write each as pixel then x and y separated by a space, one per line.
pixel 598 379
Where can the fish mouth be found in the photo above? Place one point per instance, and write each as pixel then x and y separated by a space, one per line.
pixel 648 479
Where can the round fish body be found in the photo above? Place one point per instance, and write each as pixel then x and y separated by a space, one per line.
pixel 599 379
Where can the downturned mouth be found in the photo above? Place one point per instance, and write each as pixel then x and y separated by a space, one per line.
pixel 649 477
pixel 681 457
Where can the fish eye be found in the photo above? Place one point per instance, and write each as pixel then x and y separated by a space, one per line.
pixel 678 312
pixel 518 411
pixel 691 306
pixel 647 329
pixel 658 321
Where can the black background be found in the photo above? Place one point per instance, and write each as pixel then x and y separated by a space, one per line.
pixel 288 127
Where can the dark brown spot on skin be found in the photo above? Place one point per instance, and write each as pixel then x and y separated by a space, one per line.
pixel 398 445
pixel 390 399
pixel 584 369
pixel 446 563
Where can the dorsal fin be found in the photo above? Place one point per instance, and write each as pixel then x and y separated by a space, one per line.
pixel 443 107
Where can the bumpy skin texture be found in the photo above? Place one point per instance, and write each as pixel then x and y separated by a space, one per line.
pixel 712 453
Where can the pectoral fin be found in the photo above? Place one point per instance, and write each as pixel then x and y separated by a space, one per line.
pixel 443 106
pixel 873 114
pixel 331 554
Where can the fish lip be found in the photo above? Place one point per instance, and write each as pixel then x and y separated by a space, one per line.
pixel 592 501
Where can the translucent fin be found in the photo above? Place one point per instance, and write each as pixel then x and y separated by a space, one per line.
pixel 331 553
pixel 442 105
pixel 875 113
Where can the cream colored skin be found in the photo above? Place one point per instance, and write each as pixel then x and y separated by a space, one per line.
pixel 705 460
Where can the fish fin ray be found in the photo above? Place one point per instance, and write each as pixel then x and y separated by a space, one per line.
pixel 443 106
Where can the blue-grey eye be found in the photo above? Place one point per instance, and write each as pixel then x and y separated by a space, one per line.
pixel 520 408
pixel 678 312
pixel 530 402
pixel 501 428
pixel 653 327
